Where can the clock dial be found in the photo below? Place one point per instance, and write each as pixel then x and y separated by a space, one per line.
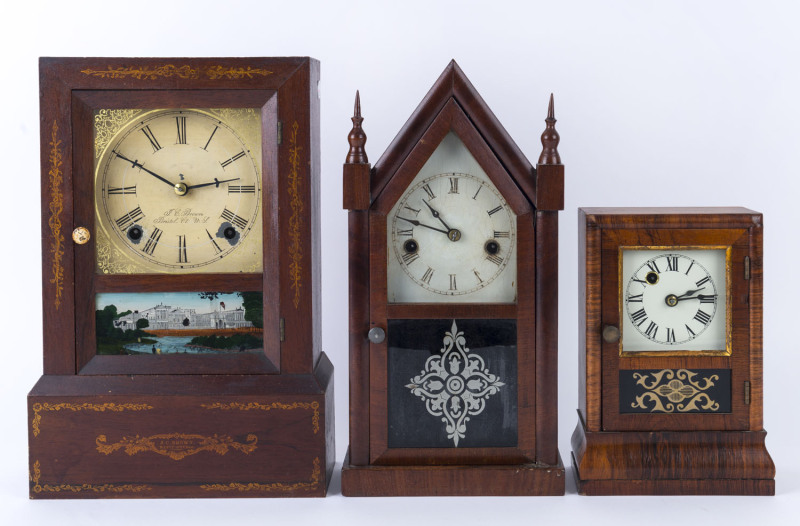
pixel 180 190
pixel 674 300
pixel 452 236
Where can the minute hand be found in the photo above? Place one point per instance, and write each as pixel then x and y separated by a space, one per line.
pixel 417 223
pixel 136 164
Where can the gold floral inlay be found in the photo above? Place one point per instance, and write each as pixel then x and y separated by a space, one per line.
pixel 176 446
pixel 311 484
pixel 255 406
pixel 38 487
pixel 170 70
pixel 56 207
pixel 668 389
pixel 296 219
pixel 107 123
pixel 41 407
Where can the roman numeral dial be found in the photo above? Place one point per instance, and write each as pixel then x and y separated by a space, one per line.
pixel 674 300
pixel 180 190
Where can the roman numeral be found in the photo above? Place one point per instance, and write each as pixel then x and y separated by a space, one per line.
pixel 152 138
pixel 670 335
pixel 409 258
pixel 416 212
pixel 453 185
pixel 479 191
pixel 653 267
pixel 130 218
pixel 494 210
pixel 152 241
pixel 690 268
pixel 212 136
pixel 639 316
pixel 229 216
pixel 707 298
pixel 232 159
pixel 182 250
pixel 703 281
pixel 635 298
pixel 702 317
pixel 181 123
pixel 241 189
pixel 428 191
pixel 672 263
pixel 494 258
pixel 639 280
pixel 406 232
pixel 453 285
pixel 426 278
pixel 121 190
pixel 477 275
pixel 690 331
pixel 217 250
pixel 498 235
pixel 651 331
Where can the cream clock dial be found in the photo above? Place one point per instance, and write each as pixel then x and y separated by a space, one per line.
pixel 674 300
pixel 180 190
pixel 452 236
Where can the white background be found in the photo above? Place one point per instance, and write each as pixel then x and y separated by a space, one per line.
pixel 658 103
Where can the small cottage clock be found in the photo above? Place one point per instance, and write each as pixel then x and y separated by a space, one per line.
pixel 181 281
pixel 671 353
pixel 453 301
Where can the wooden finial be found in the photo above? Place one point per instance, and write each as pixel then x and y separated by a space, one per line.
pixel 357 137
pixel 550 138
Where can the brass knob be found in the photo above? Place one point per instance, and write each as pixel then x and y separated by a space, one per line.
pixel 610 334
pixel 81 235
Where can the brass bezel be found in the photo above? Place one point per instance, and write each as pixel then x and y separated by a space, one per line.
pixel 728 302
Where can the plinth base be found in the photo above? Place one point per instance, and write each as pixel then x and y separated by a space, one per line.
pixel 437 481
pixel 672 463
pixel 94 436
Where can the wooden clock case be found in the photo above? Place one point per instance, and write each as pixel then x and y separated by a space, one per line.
pixel 625 453
pixel 193 426
pixel 372 467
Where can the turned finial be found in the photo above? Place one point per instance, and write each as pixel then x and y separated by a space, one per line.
pixel 550 138
pixel 357 137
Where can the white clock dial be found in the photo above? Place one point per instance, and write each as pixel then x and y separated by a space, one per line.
pixel 674 300
pixel 452 236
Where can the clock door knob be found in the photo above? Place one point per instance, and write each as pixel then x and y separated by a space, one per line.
pixel 376 335
pixel 610 334
pixel 81 235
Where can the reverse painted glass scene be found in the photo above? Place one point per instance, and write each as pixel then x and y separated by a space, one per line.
pixel 179 323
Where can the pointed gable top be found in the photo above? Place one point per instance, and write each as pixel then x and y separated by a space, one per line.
pixel 454 84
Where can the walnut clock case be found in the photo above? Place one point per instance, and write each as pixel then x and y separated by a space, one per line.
pixel 180 232
pixel 453 305
pixel 671 376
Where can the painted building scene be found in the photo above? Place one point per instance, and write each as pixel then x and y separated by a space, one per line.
pixel 179 322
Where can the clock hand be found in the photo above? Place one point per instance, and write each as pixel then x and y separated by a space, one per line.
pixel 688 293
pixel 215 182
pixel 136 164
pixel 436 214
pixel 698 297
pixel 417 223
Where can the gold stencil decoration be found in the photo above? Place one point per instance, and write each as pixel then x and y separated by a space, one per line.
pixel 255 406
pixel 39 408
pixel 56 207
pixel 312 483
pixel 38 487
pixel 109 259
pixel 171 70
pixel 176 446
pixel 296 219
pixel 106 124
pixel 668 389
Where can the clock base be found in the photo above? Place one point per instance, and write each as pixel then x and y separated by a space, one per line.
pixel 460 481
pixel 146 436
pixel 672 463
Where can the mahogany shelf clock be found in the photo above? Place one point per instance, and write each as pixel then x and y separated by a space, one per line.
pixel 671 353
pixel 453 305
pixel 180 232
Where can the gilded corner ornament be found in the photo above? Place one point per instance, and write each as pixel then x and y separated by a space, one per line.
pixel 242 487
pixel 56 157
pixel 296 219
pixel 256 406
pixel 41 407
pixel 37 487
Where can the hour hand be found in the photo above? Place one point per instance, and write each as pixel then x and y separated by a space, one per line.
pixel 215 182
pixel 417 223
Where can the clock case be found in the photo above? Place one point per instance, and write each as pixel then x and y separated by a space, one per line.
pixel 372 467
pixel 182 426
pixel 703 451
